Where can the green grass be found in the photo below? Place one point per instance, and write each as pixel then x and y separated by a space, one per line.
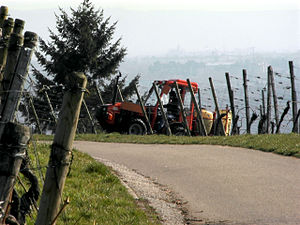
pixel 284 144
pixel 95 194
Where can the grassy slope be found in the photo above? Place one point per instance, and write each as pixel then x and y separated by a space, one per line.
pixel 95 194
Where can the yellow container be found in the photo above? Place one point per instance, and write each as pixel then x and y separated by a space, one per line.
pixel 208 118
pixel 226 120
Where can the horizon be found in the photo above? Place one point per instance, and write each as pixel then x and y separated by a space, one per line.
pixel 154 28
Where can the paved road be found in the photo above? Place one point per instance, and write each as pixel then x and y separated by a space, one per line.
pixel 237 185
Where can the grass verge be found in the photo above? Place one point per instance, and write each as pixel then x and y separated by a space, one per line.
pixel 284 144
pixel 95 193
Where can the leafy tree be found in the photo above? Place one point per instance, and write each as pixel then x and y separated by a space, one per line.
pixel 84 42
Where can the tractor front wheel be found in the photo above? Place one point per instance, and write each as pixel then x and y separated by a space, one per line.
pixel 137 127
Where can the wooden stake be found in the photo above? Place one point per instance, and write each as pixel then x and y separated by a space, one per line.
pixel 198 110
pixel 12 151
pixel 231 99
pixel 199 99
pixel 263 102
pixel 35 114
pixel 13 97
pixel 269 106
pixel 183 114
pixel 217 107
pixel 44 90
pixel 14 48
pixel 61 149
pixel 3 15
pixel 6 31
pixel 120 94
pixel 246 101
pixel 143 109
pixel 99 95
pixel 294 96
pixel 274 98
pixel 169 132
pixel 89 116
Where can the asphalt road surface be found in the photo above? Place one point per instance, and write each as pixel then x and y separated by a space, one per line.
pixel 235 185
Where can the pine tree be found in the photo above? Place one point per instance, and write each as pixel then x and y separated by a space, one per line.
pixel 84 43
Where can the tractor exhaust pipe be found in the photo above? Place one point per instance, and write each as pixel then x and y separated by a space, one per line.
pixel 116 89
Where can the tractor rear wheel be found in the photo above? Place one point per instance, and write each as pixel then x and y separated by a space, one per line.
pixel 177 129
pixel 137 127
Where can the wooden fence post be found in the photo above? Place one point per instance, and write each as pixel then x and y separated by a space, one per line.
pixel 199 113
pixel 169 132
pixel 120 94
pixel 14 47
pixel 294 96
pixel 35 114
pixel 199 99
pixel 269 100
pixel 231 99
pixel 143 109
pixel 3 15
pixel 61 149
pixel 44 90
pixel 296 119
pixel 13 97
pixel 285 111
pixel 274 98
pixel 89 116
pixel 6 31
pixel 263 102
pixel 246 101
pixel 12 151
pixel 99 95
pixel 183 114
pixel 217 107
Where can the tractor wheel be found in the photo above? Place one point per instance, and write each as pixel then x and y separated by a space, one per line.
pixel 177 129
pixel 137 127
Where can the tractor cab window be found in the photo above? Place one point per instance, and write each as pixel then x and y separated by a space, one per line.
pixel 151 98
pixel 164 99
pixel 187 101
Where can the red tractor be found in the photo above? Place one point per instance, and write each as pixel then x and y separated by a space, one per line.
pixel 128 117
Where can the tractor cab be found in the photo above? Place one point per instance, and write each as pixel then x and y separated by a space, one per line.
pixel 170 102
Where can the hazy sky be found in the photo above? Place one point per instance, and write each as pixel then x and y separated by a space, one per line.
pixel 153 27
